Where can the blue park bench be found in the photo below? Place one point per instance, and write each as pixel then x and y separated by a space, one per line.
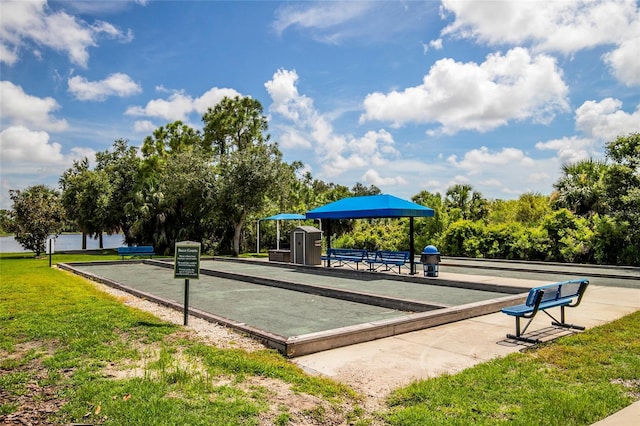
pixel 562 294
pixel 136 251
pixel 388 259
pixel 346 257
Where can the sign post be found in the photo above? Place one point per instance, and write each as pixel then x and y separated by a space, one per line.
pixel 187 266
pixel 50 248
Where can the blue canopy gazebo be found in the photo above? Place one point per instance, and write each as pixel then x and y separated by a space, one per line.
pixel 370 207
pixel 277 218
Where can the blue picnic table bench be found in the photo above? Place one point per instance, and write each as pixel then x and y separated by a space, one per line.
pixel 387 259
pixel 345 256
pixel 562 294
pixel 136 251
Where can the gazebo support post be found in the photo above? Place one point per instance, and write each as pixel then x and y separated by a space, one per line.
pixel 258 236
pixel 328 241
pixel 412 256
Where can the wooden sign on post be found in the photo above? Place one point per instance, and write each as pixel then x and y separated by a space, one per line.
pixel 187 266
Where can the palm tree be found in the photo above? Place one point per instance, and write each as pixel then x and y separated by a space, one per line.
pixel 580 189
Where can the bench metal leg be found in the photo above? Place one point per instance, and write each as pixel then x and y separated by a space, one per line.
pixel 519 334
pixel 523 339
pixel 562 323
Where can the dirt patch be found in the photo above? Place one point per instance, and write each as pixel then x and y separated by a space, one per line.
pixel 35 401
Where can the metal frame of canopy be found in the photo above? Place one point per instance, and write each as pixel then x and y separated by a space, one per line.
pixel 370 207
pixel 277 218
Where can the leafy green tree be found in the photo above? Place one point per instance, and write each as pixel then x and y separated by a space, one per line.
pixel 171 139
pixel 610 239
pixel 501 211
pixel 622 188
pixel 463 238
pixel 5 217
pixel 580 188
pixel 36 214
pixel 428 230
pixel 359 190
pixel 531 243
pixel 178 204
pixel 463 202
pixel 247 163
pixel 122 166
pixel 86 197
pixel 531 208
pixel 570 239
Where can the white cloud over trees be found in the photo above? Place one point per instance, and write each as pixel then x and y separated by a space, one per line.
pixel 116 84
pixel 179 105
pixel 470 96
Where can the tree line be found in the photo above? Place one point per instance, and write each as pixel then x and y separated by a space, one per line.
pixel 211 186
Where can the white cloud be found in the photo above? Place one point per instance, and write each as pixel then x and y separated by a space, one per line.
pixel 508 171
pixel 491 182
pixel 25 23
pixel 117 84
pixel 605 120
pixel 292 139
pixel 372 177
pixel 433 44
pixel 211 98
pixel 336 153
pixel 19 144
pixel 286 99
pixel 624 61
pixel 176 107
pixel 179 104
pixel 470 96
pixel 477 161
pixel 23 109
pixel 363 21
pixel 319 16
pixel 144 126
pixel 569 150
pixel 7 55
pixel 539 177
pixel 376 147
pixel 101 7
pixel 562 26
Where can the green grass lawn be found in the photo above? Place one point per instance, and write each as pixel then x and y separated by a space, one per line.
pixel 72 354
pixel 575 380
pixel 62 339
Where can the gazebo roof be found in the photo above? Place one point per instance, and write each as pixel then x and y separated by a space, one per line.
pixel 370 206
pixel 286 216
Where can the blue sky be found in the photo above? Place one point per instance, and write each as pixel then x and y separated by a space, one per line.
pixel 407 96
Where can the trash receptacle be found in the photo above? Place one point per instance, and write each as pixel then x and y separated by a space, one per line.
pixel 430 259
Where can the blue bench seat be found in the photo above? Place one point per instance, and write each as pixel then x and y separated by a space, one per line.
pixel 562 294
pixel 136 251
pixel 388 259
pixel 343 256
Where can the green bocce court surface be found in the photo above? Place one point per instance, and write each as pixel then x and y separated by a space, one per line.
pixel 304 309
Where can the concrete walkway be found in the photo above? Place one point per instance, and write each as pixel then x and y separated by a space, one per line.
pixel 376 368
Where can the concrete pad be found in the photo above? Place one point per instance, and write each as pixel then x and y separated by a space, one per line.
pixel 625 417
pixel 389 363
pixel 525 284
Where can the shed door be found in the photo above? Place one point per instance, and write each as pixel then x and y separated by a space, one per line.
pixel 298 249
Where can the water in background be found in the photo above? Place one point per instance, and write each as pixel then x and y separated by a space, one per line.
pixel 65 242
